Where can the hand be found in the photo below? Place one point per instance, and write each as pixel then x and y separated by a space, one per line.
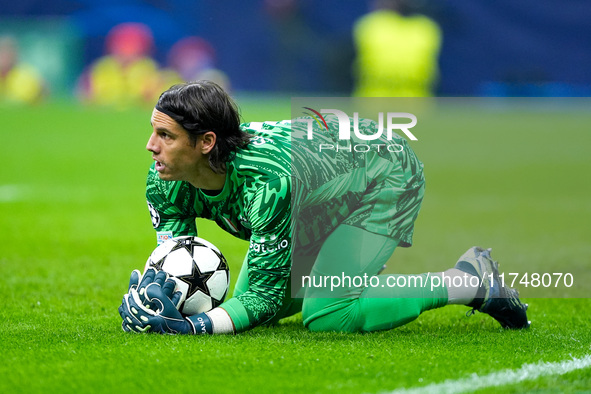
pixel 134 280
pixel 138 282
pixel 151 275
pixel 153 307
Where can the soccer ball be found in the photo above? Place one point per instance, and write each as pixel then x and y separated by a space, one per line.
pixel 199 270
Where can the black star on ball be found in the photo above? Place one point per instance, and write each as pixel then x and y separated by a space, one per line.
pixel 196 280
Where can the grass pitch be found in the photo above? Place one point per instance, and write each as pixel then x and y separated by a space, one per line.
pixel 75 223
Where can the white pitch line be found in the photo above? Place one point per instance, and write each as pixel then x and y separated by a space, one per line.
pixel 501 378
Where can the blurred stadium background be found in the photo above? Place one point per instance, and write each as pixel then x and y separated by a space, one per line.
pixel 500 48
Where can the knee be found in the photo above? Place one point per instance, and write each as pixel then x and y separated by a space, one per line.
pixel 330 315
pixel 321 324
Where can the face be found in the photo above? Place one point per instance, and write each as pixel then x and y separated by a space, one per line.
pixel 177 158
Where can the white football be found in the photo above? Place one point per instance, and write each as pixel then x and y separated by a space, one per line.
pixel 199 269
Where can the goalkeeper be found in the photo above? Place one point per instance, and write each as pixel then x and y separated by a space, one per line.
pixel 309 216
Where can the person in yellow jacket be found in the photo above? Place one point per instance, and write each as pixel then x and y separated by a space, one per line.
pixel 126 75
pixel 397 55
pixel 19 82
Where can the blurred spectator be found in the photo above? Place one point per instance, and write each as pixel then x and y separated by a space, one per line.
pixel 397 54
pixel 296 47
pixel 193 58
pixel 126 75
pixel 19 82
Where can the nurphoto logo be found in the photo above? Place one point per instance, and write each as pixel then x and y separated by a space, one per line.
pixel 388 123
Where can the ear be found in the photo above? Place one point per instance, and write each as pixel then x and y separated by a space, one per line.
pixel 208 140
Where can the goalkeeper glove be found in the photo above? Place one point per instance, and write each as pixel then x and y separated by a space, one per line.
pixel 154 309
pixel 138 282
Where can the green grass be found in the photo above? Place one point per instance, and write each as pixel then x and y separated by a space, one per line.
pixel 75 224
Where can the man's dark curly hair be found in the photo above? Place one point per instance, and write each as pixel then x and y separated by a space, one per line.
pixel 203 106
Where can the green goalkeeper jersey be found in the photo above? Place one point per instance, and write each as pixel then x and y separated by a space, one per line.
pixel 285 194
